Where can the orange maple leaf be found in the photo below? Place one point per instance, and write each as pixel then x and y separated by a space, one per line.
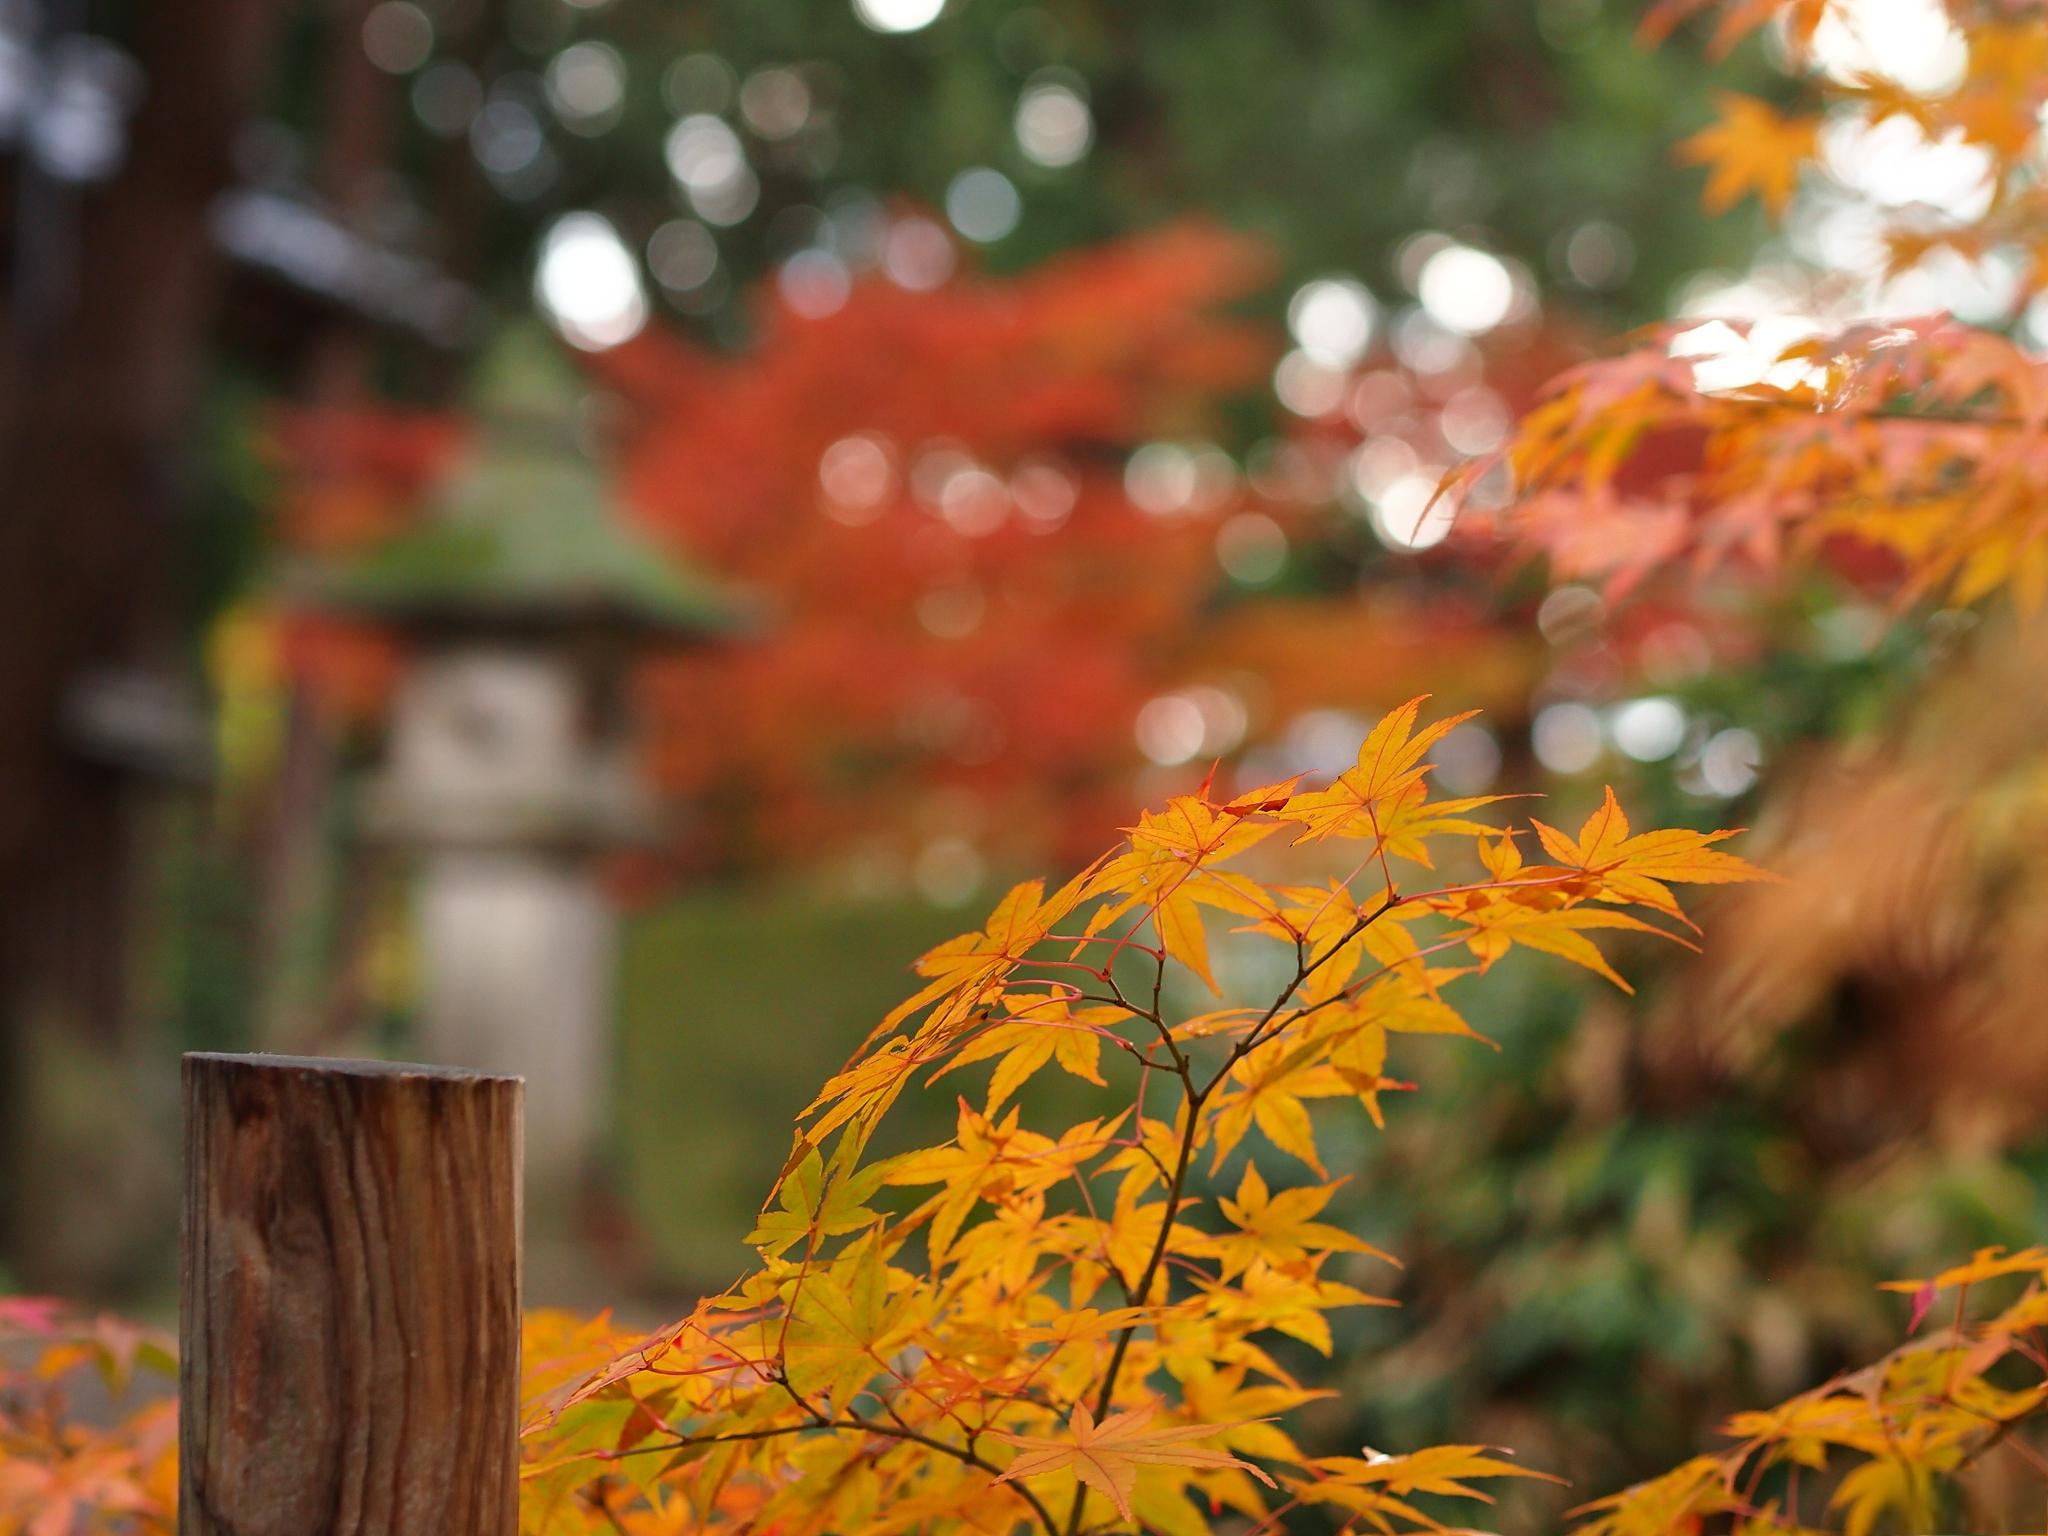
pixel 1636 869
pixel 1753 148
pixel 1985 1264
pixel 1107 1456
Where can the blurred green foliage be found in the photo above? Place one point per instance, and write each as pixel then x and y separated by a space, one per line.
pixel 1334 131
pixel 734 1006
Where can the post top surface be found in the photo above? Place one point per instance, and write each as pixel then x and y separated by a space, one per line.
pixel 345 1066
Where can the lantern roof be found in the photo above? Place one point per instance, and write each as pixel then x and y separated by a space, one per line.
pixel 527 535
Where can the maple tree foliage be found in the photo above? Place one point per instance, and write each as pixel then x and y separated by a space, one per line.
pixel 62 1474
pixel 1896 1441
pixel 1906 453
pixel 964 602
pixel 924 491
pixel 1914 442
pixel 1055 1328
pixel 111 1468
pixel 1910 859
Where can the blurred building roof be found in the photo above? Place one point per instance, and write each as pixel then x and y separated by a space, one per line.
pixel 526 535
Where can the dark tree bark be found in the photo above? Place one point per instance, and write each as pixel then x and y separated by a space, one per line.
pixel 99 362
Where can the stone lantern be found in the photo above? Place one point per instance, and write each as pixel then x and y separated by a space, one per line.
pixel 510 768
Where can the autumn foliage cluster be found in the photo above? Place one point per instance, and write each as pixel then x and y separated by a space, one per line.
pixel 1055 1326
pixel 1906 451
pixel 926 491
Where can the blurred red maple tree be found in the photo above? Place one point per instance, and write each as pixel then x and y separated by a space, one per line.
pixel 986 528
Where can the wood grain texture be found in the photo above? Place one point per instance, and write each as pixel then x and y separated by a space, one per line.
pixel 349 1326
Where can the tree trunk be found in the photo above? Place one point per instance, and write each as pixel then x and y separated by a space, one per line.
pixel 99 363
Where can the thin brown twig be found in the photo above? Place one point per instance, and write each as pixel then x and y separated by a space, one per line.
pixel 865 1426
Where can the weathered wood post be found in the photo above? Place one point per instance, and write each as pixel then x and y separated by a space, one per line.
pixel 349 1327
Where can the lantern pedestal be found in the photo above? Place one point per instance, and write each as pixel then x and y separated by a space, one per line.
pixel 507 796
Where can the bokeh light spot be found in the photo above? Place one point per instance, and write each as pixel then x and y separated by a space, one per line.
pixel 586 87
pixel 1566 738
pixel 1307 387
pixel 947 871
pixel 1053 124
pixel 1410 514
pixel 1251 548
pixel 917 254
pixel 587 283
pixel 898 15
pixel 856 474
pixel 398 36
pixel 1170 729
pixel 814 283
pixel 775 102
pixel 983 204
pixel 1332 320
pixel 446 98
pixel 683 255
pixel 1161 478
pixel 1467 760
pixel 1466 290
pixel 706 159
pixel 1729 762
pixel 1648 730
pixel 1044 495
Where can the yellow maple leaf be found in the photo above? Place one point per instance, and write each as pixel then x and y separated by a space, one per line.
pixel 1267 1089
pixel 1751 149
pixel 1376 1483
pixel 1390 769
pixel 1040 1029
pixel 1636 869
pixel 1107 1456
pixel 1279 1228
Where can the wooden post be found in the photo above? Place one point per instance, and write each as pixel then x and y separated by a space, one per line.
pixel 349 1326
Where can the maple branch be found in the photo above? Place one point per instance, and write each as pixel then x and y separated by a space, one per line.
pixel 600 1500
pixel 1118 999
pixel 1182 1160
pixel 1194 1098
pixel 780 1377
pixel 1257 1035
pixel 1153 1013
pixel 1350 990
pixel 1958 416
pixel 866 1426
